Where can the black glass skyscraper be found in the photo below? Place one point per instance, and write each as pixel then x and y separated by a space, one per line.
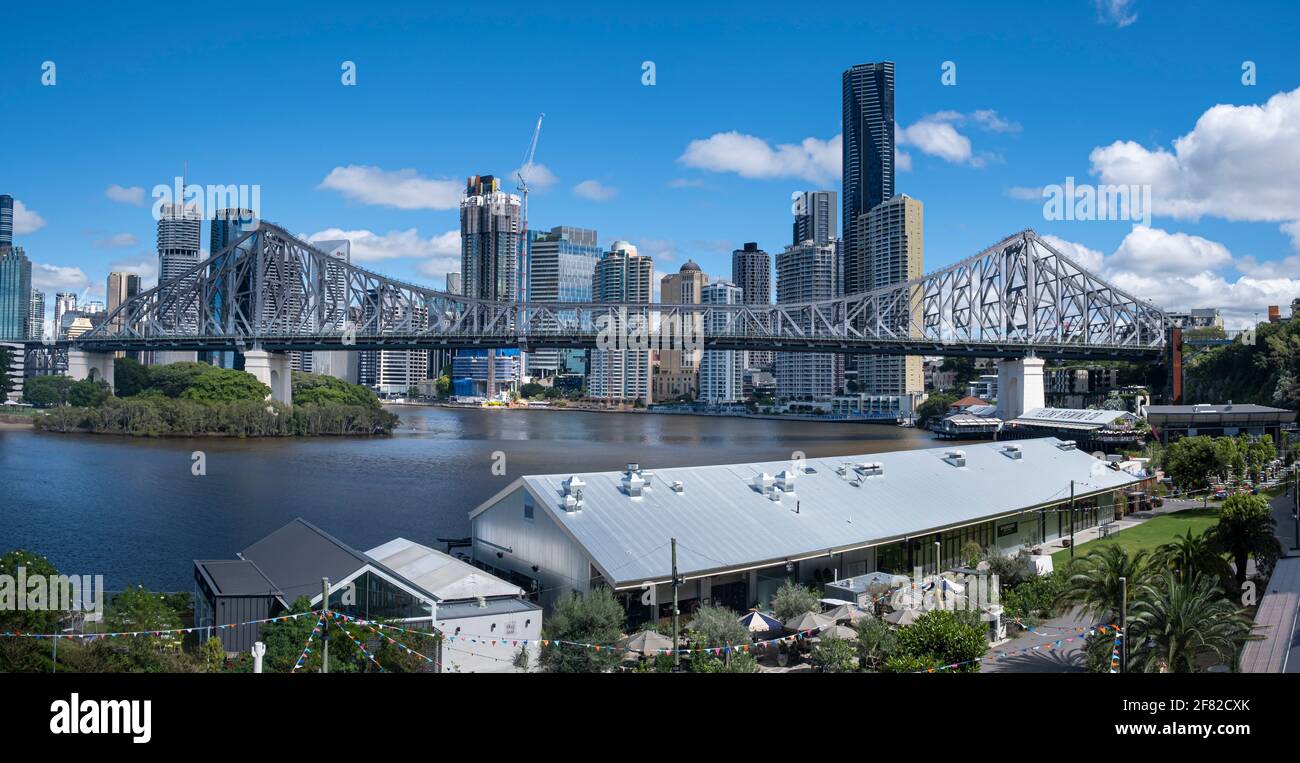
pixel 868 158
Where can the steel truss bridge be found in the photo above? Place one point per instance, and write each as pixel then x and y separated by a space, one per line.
pixel 273 291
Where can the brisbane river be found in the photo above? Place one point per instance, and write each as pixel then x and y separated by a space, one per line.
pixel 131 510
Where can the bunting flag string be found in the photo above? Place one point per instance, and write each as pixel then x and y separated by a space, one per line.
pixel 306 650
pixel 164 631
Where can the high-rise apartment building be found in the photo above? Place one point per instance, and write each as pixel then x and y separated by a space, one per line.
pixel 751 272
pixel 815 217
pixel 868 156
pixel 15 292
pixel 722 372
pixel 805 272
pixel 561 265
pixel 36 315
pixel 678 371
pixel 892 236
pixel 621 375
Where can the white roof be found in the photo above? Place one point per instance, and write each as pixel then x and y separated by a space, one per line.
pixel 440 574
pixel 721 521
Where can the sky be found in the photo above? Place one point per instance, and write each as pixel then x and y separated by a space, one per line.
pixel 1198 101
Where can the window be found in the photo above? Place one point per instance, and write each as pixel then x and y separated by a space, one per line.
pixel 528 507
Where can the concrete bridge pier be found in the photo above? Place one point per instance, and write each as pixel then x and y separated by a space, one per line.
pixel 273 370
pixel 1020 386
pixel 97 366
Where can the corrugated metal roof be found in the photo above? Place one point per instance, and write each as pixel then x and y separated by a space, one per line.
pixel 720 521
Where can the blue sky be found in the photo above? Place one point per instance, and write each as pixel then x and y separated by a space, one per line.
pixel 252 95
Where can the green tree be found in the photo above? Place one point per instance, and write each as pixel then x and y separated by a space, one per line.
pixel 792 600
pixel 1094 584
pixel 45 391
pixel 130 377
pixel 1175 622
pixel 596 618
pixel 1245 530
pixel 224 385
pixel 939 637
pixel 834 655
pixel 88 393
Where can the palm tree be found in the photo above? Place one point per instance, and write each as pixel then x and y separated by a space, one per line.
pixel 1094 580
pixel 1175 621
pixel 1245 529
pixel 1188 555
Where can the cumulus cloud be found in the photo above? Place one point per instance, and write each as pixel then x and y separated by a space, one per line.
pixel 402 189
pixel 125 195
pixel 813 159
pixel 26 220
pixel 1237 163
pixel 1117 12
pixel 368 246
pixel 117 241
pixel 595 190
pixel 1178 271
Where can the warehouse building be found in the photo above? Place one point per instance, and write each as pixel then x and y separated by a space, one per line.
pixel 743 529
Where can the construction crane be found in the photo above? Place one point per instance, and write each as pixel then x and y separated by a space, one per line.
pixel 523 190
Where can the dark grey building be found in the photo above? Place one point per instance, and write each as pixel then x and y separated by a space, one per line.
pixel 868 125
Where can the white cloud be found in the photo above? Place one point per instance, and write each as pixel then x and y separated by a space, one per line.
pixel 368 246
pixel 25 220
pixel 813 159
pixel 1237 163
pixel 595 190
pixel 403 189
pixel 117 240
pixel 1162 267
pixel 56 277
pixel 125 195
pixel 1117 12
pixel 538 176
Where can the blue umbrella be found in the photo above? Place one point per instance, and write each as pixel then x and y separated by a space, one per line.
pixel 757 622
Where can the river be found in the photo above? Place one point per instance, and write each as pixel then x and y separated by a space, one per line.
pixel 131 509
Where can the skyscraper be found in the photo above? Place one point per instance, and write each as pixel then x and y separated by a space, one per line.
pixel 489 252
pixel 621 375
pixel 722 372
pixel 892 235
pixel 36 315
pixel 805 272
pixel 815 217
pixel 15 292
pixel 679 370
pixel 6 221
pixel 868 155
pixel 561 266
pixel 751 272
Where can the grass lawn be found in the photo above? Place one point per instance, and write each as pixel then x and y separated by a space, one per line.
pixel 1148 535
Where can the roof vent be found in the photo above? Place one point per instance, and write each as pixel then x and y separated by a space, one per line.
pixel 785 480
pixel 574 485
pixel 1068 445
pixel 633 484
pixel 1013 452
pixel 955 457
pixel 677 486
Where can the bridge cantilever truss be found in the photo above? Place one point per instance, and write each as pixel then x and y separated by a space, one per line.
pixel 272 290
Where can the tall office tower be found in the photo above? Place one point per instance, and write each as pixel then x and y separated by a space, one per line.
pixel 453 283
pixel 815 217
pixel 751 271
pixel 561 264
pixel 622 375
pixel 868 156
pixel 15 292
pixel 36 315
pixel 679 370
pixel 722 372
pixel 64 301
pixel 489 252
pixel 805 272
pixel 178 253
pixel 6 220
pixel 892 235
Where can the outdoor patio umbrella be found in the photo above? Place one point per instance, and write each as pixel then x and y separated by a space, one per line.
pixel 808 621
pixel 905 616
pixel 757 622
pixel 647 643
pixel 848 612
